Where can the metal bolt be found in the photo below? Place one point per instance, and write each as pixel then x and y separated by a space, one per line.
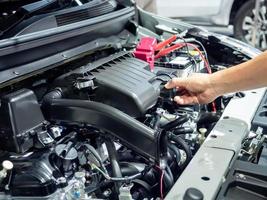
pixel 241 176
pixel 107 193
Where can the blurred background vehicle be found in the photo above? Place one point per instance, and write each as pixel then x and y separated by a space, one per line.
pixel 148 5
pixel 230 17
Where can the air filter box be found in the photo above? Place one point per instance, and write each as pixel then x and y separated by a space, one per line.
pixel 126 84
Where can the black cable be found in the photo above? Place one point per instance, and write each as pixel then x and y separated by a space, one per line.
pixel 188 52
pixel 164 74
pixel 195 62
pixel 187 48
pixel 204 49
pixel 173 73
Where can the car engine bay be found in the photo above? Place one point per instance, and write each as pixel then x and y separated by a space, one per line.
pixel 101 125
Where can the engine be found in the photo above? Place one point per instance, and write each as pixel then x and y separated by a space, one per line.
pixel 105 129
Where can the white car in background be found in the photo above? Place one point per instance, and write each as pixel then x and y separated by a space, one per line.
pixel 224 16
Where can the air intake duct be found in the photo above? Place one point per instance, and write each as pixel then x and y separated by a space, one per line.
pixel 131 133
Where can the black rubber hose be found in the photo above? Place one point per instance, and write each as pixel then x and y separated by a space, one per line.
pixel 131 168
pixel 182 130
pixel 113 158
pixel 177 122
pixel 56 93
pixel 168 170
pixel 176 152
pixel 207 118
pixel 157 121
pixel 184 146
pixel 167 180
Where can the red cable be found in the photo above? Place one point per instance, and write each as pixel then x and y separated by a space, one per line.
pixel 161 45
pixel 201 55
pixel 168 50
pixel 161 182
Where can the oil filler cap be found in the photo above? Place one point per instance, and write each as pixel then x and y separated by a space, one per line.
pixel 193 194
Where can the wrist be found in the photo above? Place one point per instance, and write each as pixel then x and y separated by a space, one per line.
pixel 215 85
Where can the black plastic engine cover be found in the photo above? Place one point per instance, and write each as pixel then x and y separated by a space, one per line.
pixel 33 176
pixel 126 84
pixel 120 80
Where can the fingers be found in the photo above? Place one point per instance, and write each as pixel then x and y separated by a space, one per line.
pixel 175 82
pixel 186 100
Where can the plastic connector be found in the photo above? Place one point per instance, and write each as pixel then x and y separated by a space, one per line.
pixel 145 50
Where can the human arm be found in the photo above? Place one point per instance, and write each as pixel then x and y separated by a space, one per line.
pixel 204 88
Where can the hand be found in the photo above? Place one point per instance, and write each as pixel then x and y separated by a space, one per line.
pixel 196 89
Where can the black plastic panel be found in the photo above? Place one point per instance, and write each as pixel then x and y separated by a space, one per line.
pixel 33 176
pixel 246 181
pixel 29 48
pixel 260 118
pixel 20 116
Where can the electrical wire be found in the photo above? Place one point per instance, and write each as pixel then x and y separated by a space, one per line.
pixel 116 179
pixel 202 57
pixel 187 48
pixel 203 48
pixel 164 74
pixel 96 156
pixel 188 52
pixel 161 182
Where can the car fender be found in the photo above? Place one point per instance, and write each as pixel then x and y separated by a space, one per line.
pixel 223 17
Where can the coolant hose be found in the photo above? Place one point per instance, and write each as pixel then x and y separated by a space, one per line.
pixel 168 170
pixel 113 157
pixel 177 122
pixel 182 130
pixel 176 152
pixel 207 118
pixel 168 182
pixel 184 146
